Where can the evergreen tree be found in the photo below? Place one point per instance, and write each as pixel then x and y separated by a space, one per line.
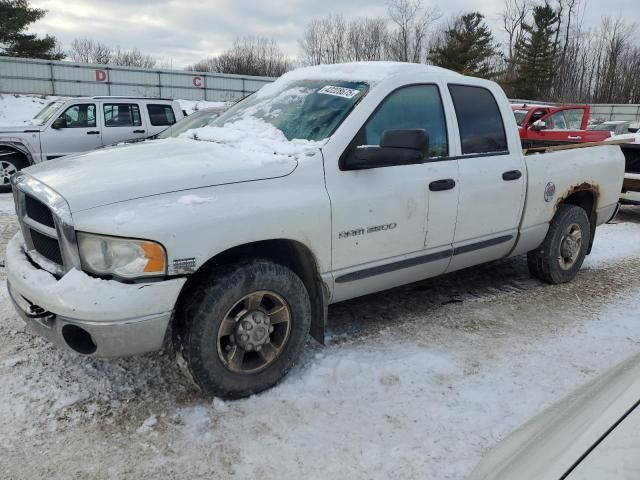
pixel 536 59
pixel 15 17
pixel 467 47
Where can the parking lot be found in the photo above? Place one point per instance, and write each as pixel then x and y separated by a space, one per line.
pixel 415 382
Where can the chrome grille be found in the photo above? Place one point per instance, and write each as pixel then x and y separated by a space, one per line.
pixel 38 211
pixel 46 225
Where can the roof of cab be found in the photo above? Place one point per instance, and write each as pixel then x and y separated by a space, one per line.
pixel 365 71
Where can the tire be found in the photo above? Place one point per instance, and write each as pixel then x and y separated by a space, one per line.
pixel 229 365
pixel 9 165
pixel 560 256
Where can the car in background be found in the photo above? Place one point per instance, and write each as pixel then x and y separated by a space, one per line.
pixel 616 127
pixel 590 435
pixel 198 119
pixel 634 127
pixel 548 125
pixel 78 125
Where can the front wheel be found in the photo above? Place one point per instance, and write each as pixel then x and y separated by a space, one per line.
pixel 10 165
pixel 561 254
pixel 241 332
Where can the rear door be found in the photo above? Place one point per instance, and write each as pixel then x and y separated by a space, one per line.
pixel 82 132
pixel 492 178
pixel 122 121
pixel 161 116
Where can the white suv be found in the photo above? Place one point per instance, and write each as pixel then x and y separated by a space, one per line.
pixel 79 125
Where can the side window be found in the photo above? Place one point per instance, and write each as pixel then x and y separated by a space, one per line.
pixel 574 118
pixel 479 120
pixel 415 107
pixel 161 115
pixel 557 122
pixel 80 116
pixel 121 115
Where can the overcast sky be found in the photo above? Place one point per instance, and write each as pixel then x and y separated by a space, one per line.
pixel 184 31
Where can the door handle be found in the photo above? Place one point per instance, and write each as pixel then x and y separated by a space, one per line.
pixel 93 132
pixel 441 185
pixel 574 138
pixel 138 131
pixel 511 175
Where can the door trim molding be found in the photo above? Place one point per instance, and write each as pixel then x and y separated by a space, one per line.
pixel 414 262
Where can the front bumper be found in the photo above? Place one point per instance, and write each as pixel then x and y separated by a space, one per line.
pixel 94 317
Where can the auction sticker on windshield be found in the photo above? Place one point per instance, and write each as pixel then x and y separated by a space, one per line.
pixel 339 91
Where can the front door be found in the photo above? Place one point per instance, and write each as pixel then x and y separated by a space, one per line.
pixel 492 179
pixel 383 230
pixel 80 133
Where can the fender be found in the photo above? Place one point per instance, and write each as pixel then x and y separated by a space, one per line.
pixel 9 147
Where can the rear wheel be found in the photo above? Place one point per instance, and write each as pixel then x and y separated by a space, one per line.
pixel 9 165
pixel 242 331
pixel 562 253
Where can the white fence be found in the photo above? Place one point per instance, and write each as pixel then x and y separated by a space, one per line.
pixel 20 75
pixel 630 113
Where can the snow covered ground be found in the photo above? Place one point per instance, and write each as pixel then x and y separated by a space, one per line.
pixel 416 382
pixel 15 109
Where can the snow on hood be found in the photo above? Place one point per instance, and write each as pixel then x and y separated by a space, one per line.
pixel 237 153
pixel 251 134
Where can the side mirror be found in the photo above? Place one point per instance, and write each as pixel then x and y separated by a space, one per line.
pixel 539 125
pixel 59 123
pixel 397 147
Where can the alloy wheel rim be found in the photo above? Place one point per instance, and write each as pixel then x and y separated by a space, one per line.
pixel 570 246
pixel 7 170
pixel 254 332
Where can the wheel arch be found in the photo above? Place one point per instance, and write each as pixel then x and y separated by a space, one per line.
pixel 15 147
pixel 290 253
pixel 585 196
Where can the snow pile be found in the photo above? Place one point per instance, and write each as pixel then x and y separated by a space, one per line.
pixel 254 136
pixel 18 109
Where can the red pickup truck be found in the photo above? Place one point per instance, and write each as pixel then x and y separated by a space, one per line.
pixel 546 125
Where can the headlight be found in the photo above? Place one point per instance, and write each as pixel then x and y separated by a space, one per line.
pixel 121 257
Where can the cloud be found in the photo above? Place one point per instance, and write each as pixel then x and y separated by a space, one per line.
pixel 185 31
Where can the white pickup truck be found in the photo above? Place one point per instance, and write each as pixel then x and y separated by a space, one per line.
pixel 79 125
pixel 331 183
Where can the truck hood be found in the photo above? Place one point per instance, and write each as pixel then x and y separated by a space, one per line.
pixel 18 129
pixel 123 173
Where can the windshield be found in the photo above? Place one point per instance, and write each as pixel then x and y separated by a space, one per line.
pixel 308 110
pixel 520 116
pixel 47 112
pixel 195 120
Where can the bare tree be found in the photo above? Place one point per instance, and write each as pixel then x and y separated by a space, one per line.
pixel 85 50
pixel 248 56
pixel 411 25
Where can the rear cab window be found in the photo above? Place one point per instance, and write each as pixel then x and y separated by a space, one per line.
pixel 122 115
pixel 161 115
pixel 480 122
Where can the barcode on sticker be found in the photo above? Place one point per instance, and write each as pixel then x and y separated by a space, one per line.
pixel 339 91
